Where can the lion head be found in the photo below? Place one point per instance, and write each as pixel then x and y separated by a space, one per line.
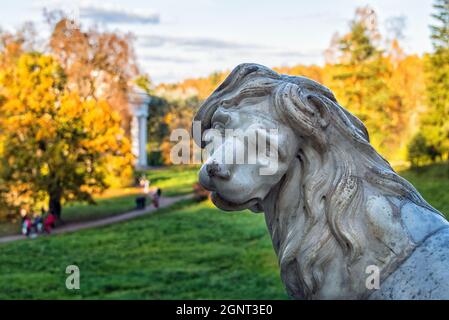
pixel 315 200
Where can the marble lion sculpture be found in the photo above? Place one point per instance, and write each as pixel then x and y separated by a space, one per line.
pixel 334 207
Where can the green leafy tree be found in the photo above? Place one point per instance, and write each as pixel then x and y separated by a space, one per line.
pixel 54 146
pixel 419 151
pixel 435 124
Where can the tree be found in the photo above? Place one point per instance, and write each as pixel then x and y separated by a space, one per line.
pixel 54 145
pixel 435 124
pixel 311 71
pixel 12 45
pixel 359 79
pixel 418 150
pixel 407 84
pixel 97 64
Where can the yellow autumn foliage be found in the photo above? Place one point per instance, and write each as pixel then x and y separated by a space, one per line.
pixel 54 142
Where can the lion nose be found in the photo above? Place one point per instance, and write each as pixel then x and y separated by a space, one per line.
pixel 214 169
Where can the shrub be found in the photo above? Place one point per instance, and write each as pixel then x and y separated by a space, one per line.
pixel 420 152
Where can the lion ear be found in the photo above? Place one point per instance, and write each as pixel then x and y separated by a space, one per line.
pixel 319 105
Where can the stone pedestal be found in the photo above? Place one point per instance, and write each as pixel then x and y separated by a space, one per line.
pixel 138 100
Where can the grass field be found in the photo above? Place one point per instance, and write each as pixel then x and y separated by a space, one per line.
pixel 190 251
pixel 172 180
pixel 433 184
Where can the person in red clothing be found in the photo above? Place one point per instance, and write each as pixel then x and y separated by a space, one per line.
pixel 49 222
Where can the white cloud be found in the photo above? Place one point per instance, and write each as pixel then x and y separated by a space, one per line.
pixel 117 14
pixel 194 43
pixel 172 58
pixel 101 12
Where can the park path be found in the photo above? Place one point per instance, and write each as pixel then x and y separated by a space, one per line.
pixel 75 226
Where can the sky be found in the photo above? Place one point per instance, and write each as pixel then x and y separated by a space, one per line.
pixel 178 39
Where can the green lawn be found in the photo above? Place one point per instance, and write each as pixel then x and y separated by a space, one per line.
pixel 172 180
pixel 190 252
pixel 107 206
pixel 433 184
pixel 76 212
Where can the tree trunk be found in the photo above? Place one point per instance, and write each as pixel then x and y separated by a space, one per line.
pixel 54 204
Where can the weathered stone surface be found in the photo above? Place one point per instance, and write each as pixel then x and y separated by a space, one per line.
pixel 424 275
pixel 335 209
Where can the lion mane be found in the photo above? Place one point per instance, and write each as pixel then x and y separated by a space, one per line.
pixel 328 181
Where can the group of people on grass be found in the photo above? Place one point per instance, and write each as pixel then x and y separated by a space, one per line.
pixel 34 223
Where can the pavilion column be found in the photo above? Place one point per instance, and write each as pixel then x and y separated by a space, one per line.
pixel 143 136
pixel 138 101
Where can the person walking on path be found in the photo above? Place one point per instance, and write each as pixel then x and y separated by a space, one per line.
pixel 156 197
